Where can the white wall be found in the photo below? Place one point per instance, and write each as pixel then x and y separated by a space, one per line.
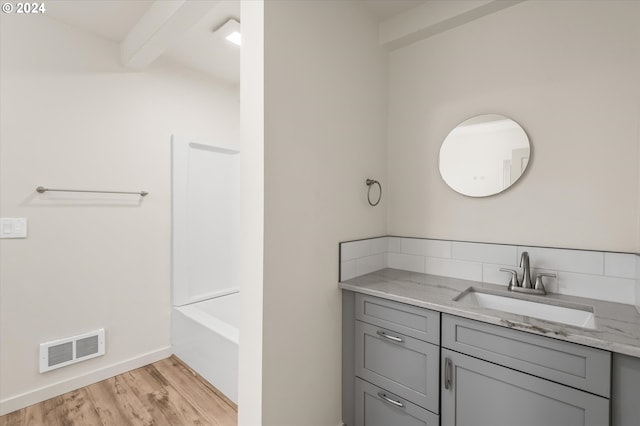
pixel 567 71
pixel 325 133
pixel 252 211
pixel 73 118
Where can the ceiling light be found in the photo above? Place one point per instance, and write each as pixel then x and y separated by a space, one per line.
pixel 230 30
pixel 235 38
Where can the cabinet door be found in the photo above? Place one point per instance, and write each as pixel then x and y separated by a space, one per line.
pixel 376 407
pixel 581 367
pixel 405 366
pixel 479 393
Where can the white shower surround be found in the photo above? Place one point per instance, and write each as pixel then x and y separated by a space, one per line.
pixel 205 211
pixel 205 289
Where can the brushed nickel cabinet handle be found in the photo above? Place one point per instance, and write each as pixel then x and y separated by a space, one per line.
pixel 389 337
pixel 388 400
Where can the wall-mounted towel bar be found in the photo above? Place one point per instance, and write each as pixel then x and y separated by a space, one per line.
pixel 42 189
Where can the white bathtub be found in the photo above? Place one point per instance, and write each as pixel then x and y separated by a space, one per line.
pixel 205 336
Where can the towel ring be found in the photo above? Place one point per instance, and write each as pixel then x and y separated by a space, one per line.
pixel 370 183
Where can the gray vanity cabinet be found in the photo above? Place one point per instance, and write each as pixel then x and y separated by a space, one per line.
pixel 409 366
pixel 396 358
pixel 625 392
pixel 497 376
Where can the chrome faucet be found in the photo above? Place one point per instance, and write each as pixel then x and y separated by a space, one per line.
pixel 526 270
pixel 526 286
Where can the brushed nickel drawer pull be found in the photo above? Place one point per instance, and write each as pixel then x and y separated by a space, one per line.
pixel 388 400
pixel 389 337
pixel 447 373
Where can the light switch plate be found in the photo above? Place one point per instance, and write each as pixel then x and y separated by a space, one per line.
pixel 13 227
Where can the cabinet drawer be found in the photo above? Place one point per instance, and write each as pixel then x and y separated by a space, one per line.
pixel 377 407
pixel 574 365
pixel 409 320
pixel 403 365
pixel 479 393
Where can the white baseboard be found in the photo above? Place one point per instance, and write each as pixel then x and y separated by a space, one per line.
pixel 46 392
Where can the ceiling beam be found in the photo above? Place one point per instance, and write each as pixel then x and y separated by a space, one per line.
pixel 434 17
pixel 159 27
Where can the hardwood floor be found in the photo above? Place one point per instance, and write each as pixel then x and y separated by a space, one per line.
pixel 163 393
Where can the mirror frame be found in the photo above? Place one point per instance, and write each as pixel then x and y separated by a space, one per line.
pixel 518 141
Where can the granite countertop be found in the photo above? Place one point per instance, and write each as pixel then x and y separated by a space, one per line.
pixel 617 325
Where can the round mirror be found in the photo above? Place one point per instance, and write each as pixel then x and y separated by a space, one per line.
pixel 484 155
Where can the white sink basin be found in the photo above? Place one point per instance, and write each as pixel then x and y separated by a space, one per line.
pixel 551 310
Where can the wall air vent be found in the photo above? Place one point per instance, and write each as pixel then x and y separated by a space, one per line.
pixel 63 352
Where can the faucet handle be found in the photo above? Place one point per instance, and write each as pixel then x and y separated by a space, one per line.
pixel 514 277
pixel 539 285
